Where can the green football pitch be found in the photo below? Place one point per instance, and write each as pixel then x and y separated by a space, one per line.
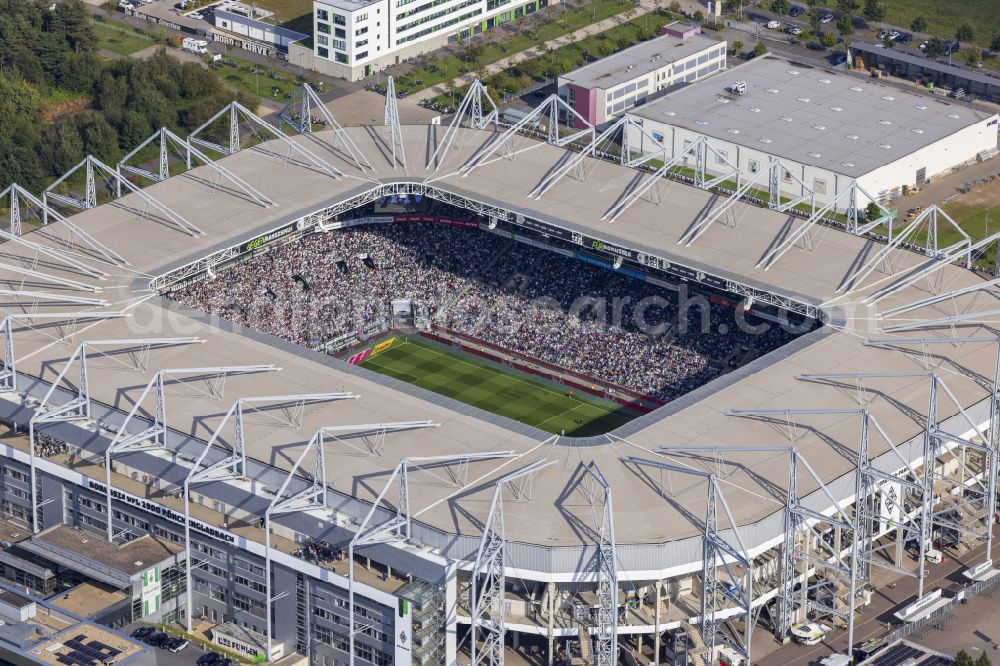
pixel 495 388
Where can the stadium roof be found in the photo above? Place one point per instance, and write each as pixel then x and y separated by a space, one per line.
pixel 832 120
pixel 638 60
pixel 645 512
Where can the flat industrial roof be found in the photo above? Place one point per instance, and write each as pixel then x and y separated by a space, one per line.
pixel 638 60
pixel 828 119
pixel 644 507
pixel 128 558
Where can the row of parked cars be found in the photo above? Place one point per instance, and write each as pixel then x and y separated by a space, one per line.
pixel 160 639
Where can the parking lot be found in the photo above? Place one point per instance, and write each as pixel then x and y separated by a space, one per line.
pixel 187 657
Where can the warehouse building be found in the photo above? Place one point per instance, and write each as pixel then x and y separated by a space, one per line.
pixel 941 76
pixel 828 129
pixel 605 88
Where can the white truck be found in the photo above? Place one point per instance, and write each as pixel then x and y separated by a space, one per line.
pixel 194 45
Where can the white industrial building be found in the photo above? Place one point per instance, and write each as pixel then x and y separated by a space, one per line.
pixel 355 38
pixel 827 129
pixel 600 90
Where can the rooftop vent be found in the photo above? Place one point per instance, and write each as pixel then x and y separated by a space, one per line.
pixel 917 130
pixel 787 119
pixel 920 105
pixel 885 122
pixel 755 109
pixel 857 88
pixel 670 113
pixel 825 81
pixel 722 100
pixel 793 72
pixel 771 90
pixel 733 130
pixel 701 122
pixel 847 164
pixel 953 115
pixel 885 146
pixel 852 137
pixel 815 155
pixel 888 98
pixel 804 99
pixel 838 109
pixel 738 88
pixel 764 139
pixel 819 127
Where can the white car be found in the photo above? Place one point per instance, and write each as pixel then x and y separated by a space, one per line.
pixel 826 18
pixel 773 25
pixel 197 16
pixel 794 30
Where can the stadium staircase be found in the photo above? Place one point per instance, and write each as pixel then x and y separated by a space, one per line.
pixel 698 650
pixel 586 647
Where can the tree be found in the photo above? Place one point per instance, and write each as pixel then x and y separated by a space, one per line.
pixel 848 6
pixel 974 59
pixel 760 49
pixel 872 211
pixel 698 16
pixel 888 42
pixel 963 659
pixel 845 25
pixel 983 660
pixel 995 44
pixel 829 40
pixel 779 7
pixel 72 19
pixel 874 11
pixel 737 47
pixel 965 33
pixel 934 48
pixel 919 24
pixel 675 7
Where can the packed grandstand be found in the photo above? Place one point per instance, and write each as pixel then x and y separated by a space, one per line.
pixel 657 341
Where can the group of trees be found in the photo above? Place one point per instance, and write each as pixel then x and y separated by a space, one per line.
pixel 51 55
pixel 963 658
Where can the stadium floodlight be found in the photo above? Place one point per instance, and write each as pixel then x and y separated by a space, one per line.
pixel 154 435
pixel 78 407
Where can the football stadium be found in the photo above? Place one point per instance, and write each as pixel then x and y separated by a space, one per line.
pixel 475 393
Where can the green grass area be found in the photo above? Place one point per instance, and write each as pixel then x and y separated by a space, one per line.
pixel 534 29
pixel 944 17
pixel 255 79
pixel 119 40
pixel 566 58
pixel 497 389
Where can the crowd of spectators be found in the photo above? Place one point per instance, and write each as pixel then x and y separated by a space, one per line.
pixel 590 320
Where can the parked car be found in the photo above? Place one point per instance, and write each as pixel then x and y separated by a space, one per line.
pixel 154 638
pixel 923 45
pixel 904 38
pixel 164 641
pixel 773 24
pixel 826 18
pixel 208 659
pixel 951 47
pixel 142 632
pixel 794 30
pixel 197 16
pixel 797 10
pixel 177 644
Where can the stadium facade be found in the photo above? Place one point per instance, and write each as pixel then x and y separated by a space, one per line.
pixel 315 509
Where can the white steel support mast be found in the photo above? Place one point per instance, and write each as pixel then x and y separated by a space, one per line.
pixel 486 597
